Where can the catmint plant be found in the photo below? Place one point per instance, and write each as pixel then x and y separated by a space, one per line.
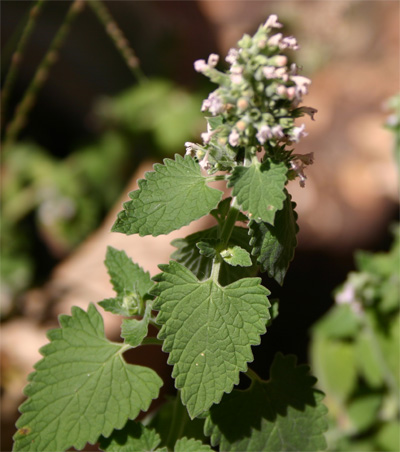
pixel 208 304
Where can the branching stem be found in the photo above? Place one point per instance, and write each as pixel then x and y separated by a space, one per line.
pixel 42 72
pixel 118 38
pixel 17 57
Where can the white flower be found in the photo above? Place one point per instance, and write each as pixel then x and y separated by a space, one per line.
pixel 272 22
pixel 275 40
pixel 200 66
pixel 205 164
pixel 289 42
pixel 301 84
pixel 269 72
pixel 264 133
pixel 277 131
pixel 190 148
pixel 234 138
pixel 206 137
pixel 236 74
pixel 297 133
pixel 213 60
pixel 232 56
pixel 213 104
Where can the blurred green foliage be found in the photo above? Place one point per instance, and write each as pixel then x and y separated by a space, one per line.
pixel 355 354
pixel 58 202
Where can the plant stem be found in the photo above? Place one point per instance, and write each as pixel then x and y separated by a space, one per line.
pixel 117 36
pixel 229 223
pixel 17 57
pixel 177 423
pixel 252 375
pixel 42 72
pixel 151 341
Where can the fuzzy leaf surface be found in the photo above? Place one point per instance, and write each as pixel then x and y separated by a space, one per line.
pixel 284 413
pixel 82 388
pixel 274 245
pixel 171 196
pixel 130 282
pixel 189 255
pixel 259 189
pixel 208 331
pixel 133 437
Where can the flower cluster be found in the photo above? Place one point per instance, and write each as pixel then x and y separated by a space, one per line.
pixel 256 104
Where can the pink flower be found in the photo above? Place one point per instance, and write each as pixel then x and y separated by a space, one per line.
pixel 272 22
pixel 200 66
pixel 264 133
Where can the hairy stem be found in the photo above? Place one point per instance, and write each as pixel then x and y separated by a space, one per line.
pixel 42 72
pixel 117 36
pixel 17 57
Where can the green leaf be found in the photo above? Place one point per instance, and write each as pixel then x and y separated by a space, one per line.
pixel 363 411
pixel 82 388
pixel 130 282
pixel 388 437
pixel 284 413
pixel 259 189
pixel 191 445
pixel 189 255
pixel 134 437
pixel 274 245
pixel 207 248
pixel 134 331
pixel 368 360
pixel 341 322
pixel 235 256
pixel 171 196
pixel 208 331
pixel 172 422
pixel 334 363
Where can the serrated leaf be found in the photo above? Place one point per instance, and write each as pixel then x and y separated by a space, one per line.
pixel 130 282
pixel 133 330
pixel 274 245
pixel 259 189
pixel 284 413
pixel 82 388
pixel 208 331
pixel 171 196
pixel 235 256
pixel 188 254
pixel 134 437
pixel 207 248
pixel 191 445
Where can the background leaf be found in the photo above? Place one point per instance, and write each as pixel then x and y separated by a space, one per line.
pixel 284 413
pixel 191 445
pixel 208 331
pixel 82 388
pixel 274 245
pixel 171 196
pixel 259 189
